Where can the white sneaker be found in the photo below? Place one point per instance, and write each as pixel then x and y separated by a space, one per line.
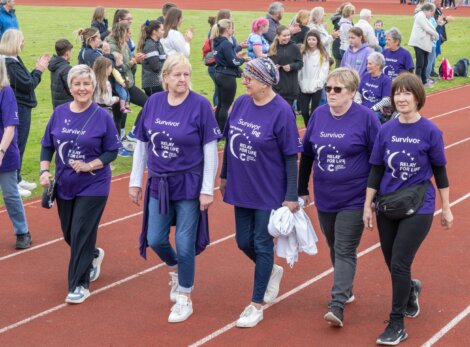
pixel 181 310
pixel 27 185
pixel 79 295
pixel 350 299
pixel 250 317
pixel 96 266
pixel 23 192
pixel 273 285
pixel 173 286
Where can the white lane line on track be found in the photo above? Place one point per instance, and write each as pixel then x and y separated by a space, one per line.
pixel 450 112
pixel 304 285
pixel 449 326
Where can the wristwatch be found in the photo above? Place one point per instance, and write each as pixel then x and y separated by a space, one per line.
pixel 42 171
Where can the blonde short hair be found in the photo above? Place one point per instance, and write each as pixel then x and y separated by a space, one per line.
pixel 172 61
pixel 81 70
pixel 347 76
pixel 4 81
pixel 316 14
pixel 11 42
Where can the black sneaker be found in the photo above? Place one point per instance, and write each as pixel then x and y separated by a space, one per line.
pixel 412 307
pixel 393 335
pixel 23 241
pixel 335 316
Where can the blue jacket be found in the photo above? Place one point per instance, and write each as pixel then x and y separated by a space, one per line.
pixel 7 20
pixel 226 60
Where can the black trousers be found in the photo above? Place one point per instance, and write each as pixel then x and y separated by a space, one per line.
pixel 24 115
pixel 421 63
pixel 79 220
pixel 227 88
pixel 152 90
pixel 137 97
pixel 308 103
pixel 400 241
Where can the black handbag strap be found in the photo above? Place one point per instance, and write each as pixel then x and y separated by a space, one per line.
pixel 75 143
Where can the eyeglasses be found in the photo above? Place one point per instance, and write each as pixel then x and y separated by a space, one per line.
pixel 336 89
pixel 247 79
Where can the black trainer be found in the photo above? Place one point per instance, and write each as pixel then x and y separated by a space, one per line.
pixel 23 241
pixel 393 334
pixel 412 307
pixel 335 316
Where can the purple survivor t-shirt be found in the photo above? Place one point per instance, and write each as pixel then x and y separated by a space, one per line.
pixel 374 89
pixel 258 139
pixel 397 61
pixel 408 152
pixel 97 137
pixel 176 136
pixel 341 148
pixel 9 117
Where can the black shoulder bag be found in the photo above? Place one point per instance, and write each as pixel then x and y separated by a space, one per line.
pixel 49 194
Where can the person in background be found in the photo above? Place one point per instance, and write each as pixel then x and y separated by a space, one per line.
pixel 165 8
pixel 274 16
pixel 317 22
pixel 59 66
pixel 180 184
pixel 336 44
pixel 8 18
pixel 337 145
pixel 91 42
pixel 123 15
pixel 302 20
pixel 365 16
pixel 103 95
pixel 173 41
pixel 397 58
pixel 100 22
pixel 121 82
pixel 312 76
pixel 155 56
pixel 257 45
pixel 82 176
pixel 10 160
pixel 345 24
pixel 380 33
pixel 400 239
pixel 358 51
pixel 262 122
pixel 23 83
pixel 286 55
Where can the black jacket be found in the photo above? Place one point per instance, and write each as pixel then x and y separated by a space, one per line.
pixel 102 27
pixel 23 82
pixel 288 86
pixel 88 55
pixel 59 68
pixel 226 60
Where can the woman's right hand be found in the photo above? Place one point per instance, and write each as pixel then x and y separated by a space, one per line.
pixel 367 217
pixel 188 36
pixel 43 62
pixel 45 179
pixel 223 184
pixel 135 193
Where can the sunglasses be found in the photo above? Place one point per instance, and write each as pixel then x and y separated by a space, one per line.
pixel 336 89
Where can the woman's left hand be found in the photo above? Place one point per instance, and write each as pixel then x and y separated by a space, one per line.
pixel 447 219
pixel 205 201
pixel 293 206
pixel 139 58
pixel 80 166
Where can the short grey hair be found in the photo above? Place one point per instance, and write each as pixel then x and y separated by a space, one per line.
pixel 365 13
pixel 275 7
pixel 377 58
pixel 394 34
pixel 316 14
pixel 79 71
pixel 428 7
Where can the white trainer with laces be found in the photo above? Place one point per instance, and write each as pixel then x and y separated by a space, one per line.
pixel 250 317
pixel 173 286
pixel 96 266
pixel 27 185
pixel 273 285
pixel 181 310
pixel 79 295
pixel 24 192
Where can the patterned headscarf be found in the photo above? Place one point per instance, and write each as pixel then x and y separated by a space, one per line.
pixel 263 70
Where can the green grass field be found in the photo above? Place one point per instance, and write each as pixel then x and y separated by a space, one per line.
pixel 42 26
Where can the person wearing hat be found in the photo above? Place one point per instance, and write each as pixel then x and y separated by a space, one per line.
pixel 261 137
pixel 8 18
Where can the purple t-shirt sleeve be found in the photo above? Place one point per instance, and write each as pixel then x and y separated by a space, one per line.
pixel 409 64
pixel 111 140
pixel 387 86
pixel 306 144
pixel 287 133
pixel 376 157
pixel 209 129
pixel 9 108
pixel 47 140
pixel 140 131
pixel 373 131
pixel 436 152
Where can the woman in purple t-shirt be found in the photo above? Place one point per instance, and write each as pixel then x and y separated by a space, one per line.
pixel 85 141
pixel 337 144
pixel 177 135
pixel 408 151
pixel 10 160
pixel 259 174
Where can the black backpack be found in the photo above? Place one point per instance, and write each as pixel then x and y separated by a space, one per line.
pixel 461 68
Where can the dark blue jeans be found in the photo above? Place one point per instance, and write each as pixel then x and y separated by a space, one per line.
pixel 24 114
pixel 255 241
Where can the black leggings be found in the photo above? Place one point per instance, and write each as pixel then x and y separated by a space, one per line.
pixel 227 88
pixel 400 241
pixel 421 63
pixel 137 97
pixel 152 90
pixel 308 103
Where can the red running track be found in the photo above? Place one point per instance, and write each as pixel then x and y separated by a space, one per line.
pixel 130 304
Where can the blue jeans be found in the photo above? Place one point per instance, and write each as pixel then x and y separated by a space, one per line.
pixel 122 92
pixel 255 241
pixel 431 62
pixel 13 203
pixel 187 217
